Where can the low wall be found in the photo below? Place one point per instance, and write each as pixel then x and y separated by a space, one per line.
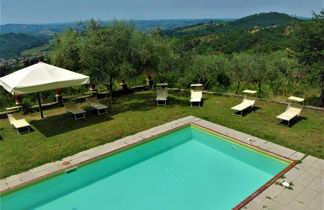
pixel 241 96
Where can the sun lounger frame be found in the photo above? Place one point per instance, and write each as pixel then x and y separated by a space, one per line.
pixel 22 129
pixel 81 115
pixel 196 88
pixel 159 101
pixel 242 111
pixel 290 120
pixel 77 115
pixel 245 98
pixel 102 111
pixel 296 99
pixel 93 102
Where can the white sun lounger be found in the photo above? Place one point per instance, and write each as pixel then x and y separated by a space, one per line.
pixel 161 94
pixel 291 112
pixel 93 103
pixel 76 111
pixel 245 104
pixel 18 121
pixel 196 94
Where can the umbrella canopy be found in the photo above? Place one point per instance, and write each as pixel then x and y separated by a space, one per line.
pixel 40 77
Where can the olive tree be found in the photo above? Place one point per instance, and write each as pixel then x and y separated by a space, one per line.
pixel 260 70
pixel 206 68
pixel 65 52
pixel 155 54
pixel 284 69
pixel 239 68
pixel 309 49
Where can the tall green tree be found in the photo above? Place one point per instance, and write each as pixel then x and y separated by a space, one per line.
pixel 205 69
pixel 239 68
pixel 284 69
pixel 66 50
pixel 156 54
pixel 259 70
pixel 309 48
pixel 105 51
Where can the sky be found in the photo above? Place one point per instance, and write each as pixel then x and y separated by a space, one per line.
pixel 57 11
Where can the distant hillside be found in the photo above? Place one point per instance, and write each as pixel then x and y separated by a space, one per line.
pixel 203 34
pixel 46 31
pixel 264 40
pixel 31 39
pixel 41 31
pixel 12 44
pixel 255 21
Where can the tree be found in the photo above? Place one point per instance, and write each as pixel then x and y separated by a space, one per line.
pixel 156 54
pixel 240 66
pixel 284 69
pixel 205 69
pixel 309 49
pixel 259 70
pixel 105 51
pixel 102 52
pixel 65 52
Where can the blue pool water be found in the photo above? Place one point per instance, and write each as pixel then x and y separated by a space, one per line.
pixel 185 170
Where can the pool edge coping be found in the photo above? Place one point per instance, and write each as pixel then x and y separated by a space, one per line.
pixel 52 174
pixel 264 152
pixel 173 125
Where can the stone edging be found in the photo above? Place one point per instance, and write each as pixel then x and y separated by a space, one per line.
pixel 306 176
pixel 90 154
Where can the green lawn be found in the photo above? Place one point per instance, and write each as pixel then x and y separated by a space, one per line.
pixel 59 135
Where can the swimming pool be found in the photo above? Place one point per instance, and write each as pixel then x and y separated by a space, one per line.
pixel 187 168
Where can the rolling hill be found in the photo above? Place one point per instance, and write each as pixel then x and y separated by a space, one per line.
pixel 48 30
pixel 31 39
pixel 12 44
pixel 262 32
pixel 261 20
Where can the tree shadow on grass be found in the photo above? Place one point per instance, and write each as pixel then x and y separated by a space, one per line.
pixel 183 99
pixel 134 102
pixel 63 123
pixel 176 101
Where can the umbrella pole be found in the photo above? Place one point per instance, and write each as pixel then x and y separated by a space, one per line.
pixel 40 105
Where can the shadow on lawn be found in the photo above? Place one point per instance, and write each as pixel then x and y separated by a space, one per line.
pixel 62 123
pixel 292 122
pixel 249 111
pixel 246 111
pixel 134 102
pixel 146 101
pixel 183 101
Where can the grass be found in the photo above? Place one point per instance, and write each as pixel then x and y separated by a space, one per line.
pixel 58 135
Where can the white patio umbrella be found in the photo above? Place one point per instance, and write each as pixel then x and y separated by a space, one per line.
pixel 40 77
